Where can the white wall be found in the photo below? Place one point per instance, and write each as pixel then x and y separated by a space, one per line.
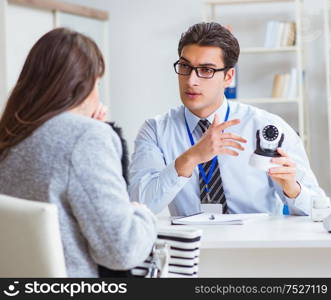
pixel 20 43
pixel 143 45
pixel 21 27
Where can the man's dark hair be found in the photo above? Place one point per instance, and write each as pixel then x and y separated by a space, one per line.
pixel 212 34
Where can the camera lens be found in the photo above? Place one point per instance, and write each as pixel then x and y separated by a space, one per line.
pixel 270 132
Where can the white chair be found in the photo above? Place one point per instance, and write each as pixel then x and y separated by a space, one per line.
pixel 30 240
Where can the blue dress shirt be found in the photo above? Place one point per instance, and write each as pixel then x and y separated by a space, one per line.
pixel 154 180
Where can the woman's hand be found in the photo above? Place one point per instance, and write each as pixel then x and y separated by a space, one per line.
pixel 100 113
pixel 138 204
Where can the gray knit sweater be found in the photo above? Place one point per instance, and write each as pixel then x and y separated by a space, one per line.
pixel 75 163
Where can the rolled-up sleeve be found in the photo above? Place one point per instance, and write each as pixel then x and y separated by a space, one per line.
pixel 152 182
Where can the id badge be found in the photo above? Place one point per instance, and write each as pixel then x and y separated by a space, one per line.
pixel 211 208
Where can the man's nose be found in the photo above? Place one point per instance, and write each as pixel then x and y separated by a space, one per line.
pixel 193 79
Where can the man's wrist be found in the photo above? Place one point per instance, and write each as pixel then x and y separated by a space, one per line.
pixel 186 163
pixel 293 190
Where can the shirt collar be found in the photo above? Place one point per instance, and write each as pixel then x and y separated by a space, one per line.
pixel 192 119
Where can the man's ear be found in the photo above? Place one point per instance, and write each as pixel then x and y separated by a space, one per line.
pixel 229 77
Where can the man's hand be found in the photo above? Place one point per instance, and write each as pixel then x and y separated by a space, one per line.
pixel 285 175
pixel 212 143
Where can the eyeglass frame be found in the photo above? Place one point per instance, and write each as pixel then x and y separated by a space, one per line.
pixel 196 70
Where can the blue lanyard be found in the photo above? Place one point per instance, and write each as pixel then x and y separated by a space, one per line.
pixel 206 178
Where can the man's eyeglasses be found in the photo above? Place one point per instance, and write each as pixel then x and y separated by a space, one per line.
pixel 202 72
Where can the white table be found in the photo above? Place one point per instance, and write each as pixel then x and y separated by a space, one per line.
pixel 284 246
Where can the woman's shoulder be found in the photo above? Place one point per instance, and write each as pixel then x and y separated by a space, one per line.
pixel 74 120
pixel 74 125
pixel 67 129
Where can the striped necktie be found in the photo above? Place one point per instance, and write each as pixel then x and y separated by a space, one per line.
pixel 215 185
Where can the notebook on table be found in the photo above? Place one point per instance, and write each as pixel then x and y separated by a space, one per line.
pixel 217 219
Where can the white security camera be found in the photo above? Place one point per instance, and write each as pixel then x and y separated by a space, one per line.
pixel 268 139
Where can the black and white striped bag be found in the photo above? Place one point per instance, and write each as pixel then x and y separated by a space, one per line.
pixel 175 254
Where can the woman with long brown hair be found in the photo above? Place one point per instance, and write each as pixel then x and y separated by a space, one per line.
pixel 52 150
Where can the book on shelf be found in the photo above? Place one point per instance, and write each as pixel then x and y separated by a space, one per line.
pixel 293 87
pixel 277 86
pixel 231 91
pixel 280 34
pixel 285 85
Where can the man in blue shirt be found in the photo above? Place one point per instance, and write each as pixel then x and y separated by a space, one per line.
pixel 199 152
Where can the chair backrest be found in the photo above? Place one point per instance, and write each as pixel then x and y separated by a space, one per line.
pixel 30 240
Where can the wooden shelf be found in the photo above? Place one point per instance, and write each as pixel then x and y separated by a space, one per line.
pixel 251 50
pixel 267 100
pixel 55 5
pixel 230 2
